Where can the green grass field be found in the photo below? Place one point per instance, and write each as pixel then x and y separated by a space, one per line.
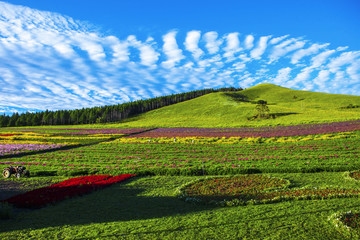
pixel 147 208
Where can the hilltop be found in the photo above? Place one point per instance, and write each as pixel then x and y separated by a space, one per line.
pixel 232 109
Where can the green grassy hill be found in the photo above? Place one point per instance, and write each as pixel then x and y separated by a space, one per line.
pixel 233 109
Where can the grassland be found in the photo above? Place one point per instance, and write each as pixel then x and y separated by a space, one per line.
pixel 291 107
pixel 306 154
pixel 147 208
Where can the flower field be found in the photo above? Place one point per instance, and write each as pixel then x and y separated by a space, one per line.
pixel 24 141
pixel 355 175
pixel 200 159
pixel 243 185
pixel 244 168
pixel 267 132
pixel 83 131
pixel 75 131
pixel 14 148
pixel 347 223
pixel 254 189
pixel 63 190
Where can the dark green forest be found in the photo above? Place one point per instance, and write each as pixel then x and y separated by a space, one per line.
pixel 104 114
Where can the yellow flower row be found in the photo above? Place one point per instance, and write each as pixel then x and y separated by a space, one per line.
pixel 38 136
pixel 234 140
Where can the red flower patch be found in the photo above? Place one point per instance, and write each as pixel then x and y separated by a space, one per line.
pixel 66 189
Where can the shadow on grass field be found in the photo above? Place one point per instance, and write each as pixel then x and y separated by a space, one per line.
pixel 147 208
pixel 121 202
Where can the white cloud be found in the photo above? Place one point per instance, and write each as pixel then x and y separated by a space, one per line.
pixel 284 48
pixel 249 42
pixel 315 48
pixel 232 45
pixel 191 43
pixel 91 44
pixel 278 39
pixel 171 50
pixel 282 76
pixel 340 49
pixel 260 49
pixel 65 50
pixel 239 66
pixel 120 52
pixel 302 77
pixel 322 78
pixel 354 71
pixel 212 43
pixel 344 59
pixel 148 56
pixel 321 58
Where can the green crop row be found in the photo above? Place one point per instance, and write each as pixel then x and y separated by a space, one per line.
pixel 197 159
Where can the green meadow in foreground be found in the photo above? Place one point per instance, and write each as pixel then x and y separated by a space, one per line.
pixel 148 208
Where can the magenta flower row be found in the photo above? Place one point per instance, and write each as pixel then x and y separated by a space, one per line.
pixel 278 131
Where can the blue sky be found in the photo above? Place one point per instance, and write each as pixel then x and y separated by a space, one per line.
pixel 73 54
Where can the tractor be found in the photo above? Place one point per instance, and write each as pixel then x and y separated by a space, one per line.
pixel 18 171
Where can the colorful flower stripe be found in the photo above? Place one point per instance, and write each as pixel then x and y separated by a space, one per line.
pixel 81 180
pixel 9 149
pixel 115 179
pixel 355 175
pixel 279 131
pixel 253 189
pixel 347 223
pixel 82 131
pixel 235 140
pixel 229 186
pixel 7 135
pixel 67 189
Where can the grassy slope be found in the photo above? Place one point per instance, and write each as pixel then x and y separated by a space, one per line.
pixel 222 110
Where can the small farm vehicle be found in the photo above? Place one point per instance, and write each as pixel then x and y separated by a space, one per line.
pixel 18 171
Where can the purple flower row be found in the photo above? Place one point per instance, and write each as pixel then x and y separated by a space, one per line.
pixel 82 131
pixel 278 131
pixel 15 148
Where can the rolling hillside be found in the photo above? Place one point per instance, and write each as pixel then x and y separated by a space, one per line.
pixel 233 109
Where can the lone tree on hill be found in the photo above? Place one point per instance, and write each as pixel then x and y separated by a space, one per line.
pixel 262 110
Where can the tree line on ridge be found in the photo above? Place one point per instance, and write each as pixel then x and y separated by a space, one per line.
pixel 104 114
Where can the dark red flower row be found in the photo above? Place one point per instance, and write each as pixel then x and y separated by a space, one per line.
pixel 66 189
